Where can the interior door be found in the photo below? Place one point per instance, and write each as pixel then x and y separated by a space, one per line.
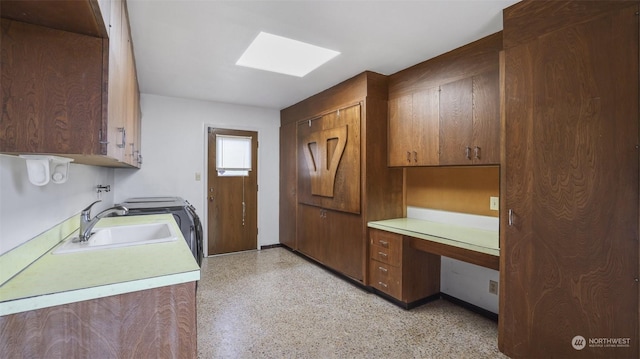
pixel 232 200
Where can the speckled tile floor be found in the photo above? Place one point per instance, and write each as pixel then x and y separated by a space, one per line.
pixel 274 304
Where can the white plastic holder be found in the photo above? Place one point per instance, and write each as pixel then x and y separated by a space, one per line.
pixel 42 168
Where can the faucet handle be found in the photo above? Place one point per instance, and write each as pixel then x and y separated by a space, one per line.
pixel 87 211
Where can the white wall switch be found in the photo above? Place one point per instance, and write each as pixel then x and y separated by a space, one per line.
pixel 197 176
pixel 494 203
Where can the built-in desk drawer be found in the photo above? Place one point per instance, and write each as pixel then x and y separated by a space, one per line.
pixel 386 278
pixel 386 247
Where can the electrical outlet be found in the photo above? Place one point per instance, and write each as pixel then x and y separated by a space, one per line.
pixel 494 203
pixel 493 287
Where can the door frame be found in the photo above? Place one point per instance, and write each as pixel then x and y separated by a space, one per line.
pixel 205 179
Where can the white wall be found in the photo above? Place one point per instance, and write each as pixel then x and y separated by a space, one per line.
pixel 27 210
pixel 174 150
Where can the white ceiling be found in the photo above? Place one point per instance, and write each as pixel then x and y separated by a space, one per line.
pixel 188 48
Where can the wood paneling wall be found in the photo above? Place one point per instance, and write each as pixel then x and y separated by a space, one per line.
pixel 455 189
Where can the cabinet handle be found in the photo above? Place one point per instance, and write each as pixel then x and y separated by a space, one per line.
pixel 124 137
pixel 100 139
pixel 476 151
pixel 384 243
pixel 383 254
pixel 383 284
pixel 408 156
pixel 467 152
pixel 383 269
pixel 510 220
pixel 415 156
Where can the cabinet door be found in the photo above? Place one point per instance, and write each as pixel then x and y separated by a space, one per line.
pixel 569 245
pixel 413 129
pixel 51 90
pixel 288 199
pixel 115 127
pixel 345 243
pixel 426 124
pixel 486 118
pixel 456 122
pixel 329 160
pixel 401 131
pixel 312 238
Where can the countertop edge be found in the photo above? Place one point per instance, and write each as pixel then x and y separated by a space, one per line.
pixel 78 295
pixel 426 236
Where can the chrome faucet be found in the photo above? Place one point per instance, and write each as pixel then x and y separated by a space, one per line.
pixel 87 223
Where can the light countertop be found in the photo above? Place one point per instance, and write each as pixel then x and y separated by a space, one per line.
pixel 479 240
pixel 55 279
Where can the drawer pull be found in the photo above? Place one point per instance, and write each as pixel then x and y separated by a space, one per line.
pixel 383 284
pixel 383 269
pixel 384 243
pixel 381 254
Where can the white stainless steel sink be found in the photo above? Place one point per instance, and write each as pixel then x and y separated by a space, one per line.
pixel 121 236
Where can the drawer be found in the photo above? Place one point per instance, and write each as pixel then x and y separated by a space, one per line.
pixel 384 239
pixel 386 247
pixel 386 278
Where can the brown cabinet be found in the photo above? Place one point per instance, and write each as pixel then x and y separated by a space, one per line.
pixel 329 160
pixel 66 93
pixel 152 323
pixel 288 189
pixel 445 111
pixel 569 221
pixel 470 121
pixel 400 271
pixel 332 238
pixel 329 217
pixel 123 126
pixel 413 129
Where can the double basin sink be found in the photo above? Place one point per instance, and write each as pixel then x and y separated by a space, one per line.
pixel 120 236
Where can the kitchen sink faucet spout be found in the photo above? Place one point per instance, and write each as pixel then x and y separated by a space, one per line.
pixel 87 223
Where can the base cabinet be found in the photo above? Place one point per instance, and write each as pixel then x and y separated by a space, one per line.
pixel 332 238
pixel 400 271
pixel 153 323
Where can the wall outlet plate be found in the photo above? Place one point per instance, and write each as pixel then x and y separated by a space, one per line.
pixel 493 287
pixel 494 203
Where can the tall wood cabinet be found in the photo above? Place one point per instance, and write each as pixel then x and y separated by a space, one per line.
pixel 445 111
pixel 569 221
pixel 69 82
pixel 334 174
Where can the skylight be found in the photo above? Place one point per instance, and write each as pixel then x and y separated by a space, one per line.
pixel 283 55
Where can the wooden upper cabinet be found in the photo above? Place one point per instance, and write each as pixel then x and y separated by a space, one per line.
pixel 123 96
pixel 486 118
pixel 74 94
pixel 456 122
pixel 413 129
pixel 469 121
pixel 50 90
pixel 445 111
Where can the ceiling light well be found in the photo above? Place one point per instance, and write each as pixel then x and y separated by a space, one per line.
pixel 283 55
